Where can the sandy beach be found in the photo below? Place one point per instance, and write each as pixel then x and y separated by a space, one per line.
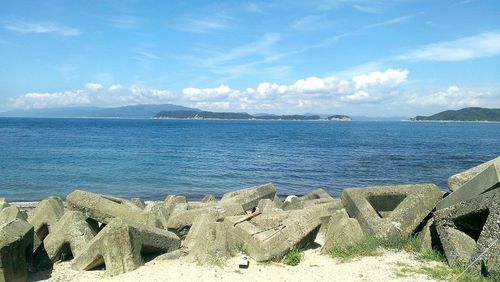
pixel 314 267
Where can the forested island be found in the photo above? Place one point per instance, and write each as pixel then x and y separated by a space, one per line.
pixel 192 114
pixel 466 114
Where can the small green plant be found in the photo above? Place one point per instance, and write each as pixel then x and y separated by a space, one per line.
pixel 400 243
pixel 432 255
pixel 242 248
pixel 442 272
pixel 292 257
pixel 217 261
pixel 345 253
pixel 370 246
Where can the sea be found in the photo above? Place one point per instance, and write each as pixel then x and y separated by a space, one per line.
pixel 151 159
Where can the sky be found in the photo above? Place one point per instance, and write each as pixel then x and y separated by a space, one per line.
pixel 356 57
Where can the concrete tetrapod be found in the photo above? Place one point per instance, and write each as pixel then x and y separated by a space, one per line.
pixel 269 236
pixel 250 197
pixel 206 242
pixel 458 180
pixel 8 214
pixel 46 214
pixel 469 228
pixel 485 180
pixel 318 193
pixel 69 236
pixel 120 246
pixel 341 230
pixel 391 210
pixel 3 204
pixel 16 250
pixel 105 208
pixel 181 221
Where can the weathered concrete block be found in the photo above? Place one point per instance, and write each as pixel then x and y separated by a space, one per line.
pixel 69 236
pixel 16 250
pixel 269 236
pixel 472 224
pixel 192 205
pixel 250 197
pixel 458 180
pixel 157 215
pixel 319 193
pixel 121 244
pixel 425 236
pixel 267 206
pixel 105 208
pixel 138 202
pixel 201 242
pixel 485 180
pixel 209 199
pixel 309 203
pixel 3 203
pixel 391 210
pixel 292 202
pixel 277 201
pixel 180 222
pixel 341 230
pixel 8 214
pixel 174 200
pixel 46 214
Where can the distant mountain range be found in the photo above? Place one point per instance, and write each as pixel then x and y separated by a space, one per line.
pixel 157 111
pixel 135 111
pixel 192 114
pixel 466 114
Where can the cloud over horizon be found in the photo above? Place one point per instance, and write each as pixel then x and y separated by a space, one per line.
pixel 311 94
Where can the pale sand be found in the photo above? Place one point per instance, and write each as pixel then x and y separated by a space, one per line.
pixel 314 267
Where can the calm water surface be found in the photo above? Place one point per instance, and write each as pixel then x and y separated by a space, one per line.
pixel 154 158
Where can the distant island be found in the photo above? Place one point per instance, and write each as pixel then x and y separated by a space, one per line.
pixel 193 114
pixel 466 114
pixel 158 111
pixel 131 111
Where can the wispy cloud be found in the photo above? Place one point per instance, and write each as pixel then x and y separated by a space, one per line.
pixel 31 27
pixel 257 47
pixel 365 6
pixel 204 25
pixel 312 22
pixel 254 8
pixel 392 21
pixel 334 39
pixel 126 22
pixel 478 46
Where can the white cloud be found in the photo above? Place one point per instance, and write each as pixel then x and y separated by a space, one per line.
pixel 453 97
pixel 29 27
pixel 311 92
pixel 93 94
pixel 93 86
pixel 478 46
pixel 378 90
pixel 38 100
pixel 115 87
pixel 390 77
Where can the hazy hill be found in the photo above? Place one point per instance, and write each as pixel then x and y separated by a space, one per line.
pixel 135 111
pixel 466 114
pixel 228 115
pixel 190 114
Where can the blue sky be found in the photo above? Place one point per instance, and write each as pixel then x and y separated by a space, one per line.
pixel 377 58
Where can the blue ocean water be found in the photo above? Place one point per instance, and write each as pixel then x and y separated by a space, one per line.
pixel 153 158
